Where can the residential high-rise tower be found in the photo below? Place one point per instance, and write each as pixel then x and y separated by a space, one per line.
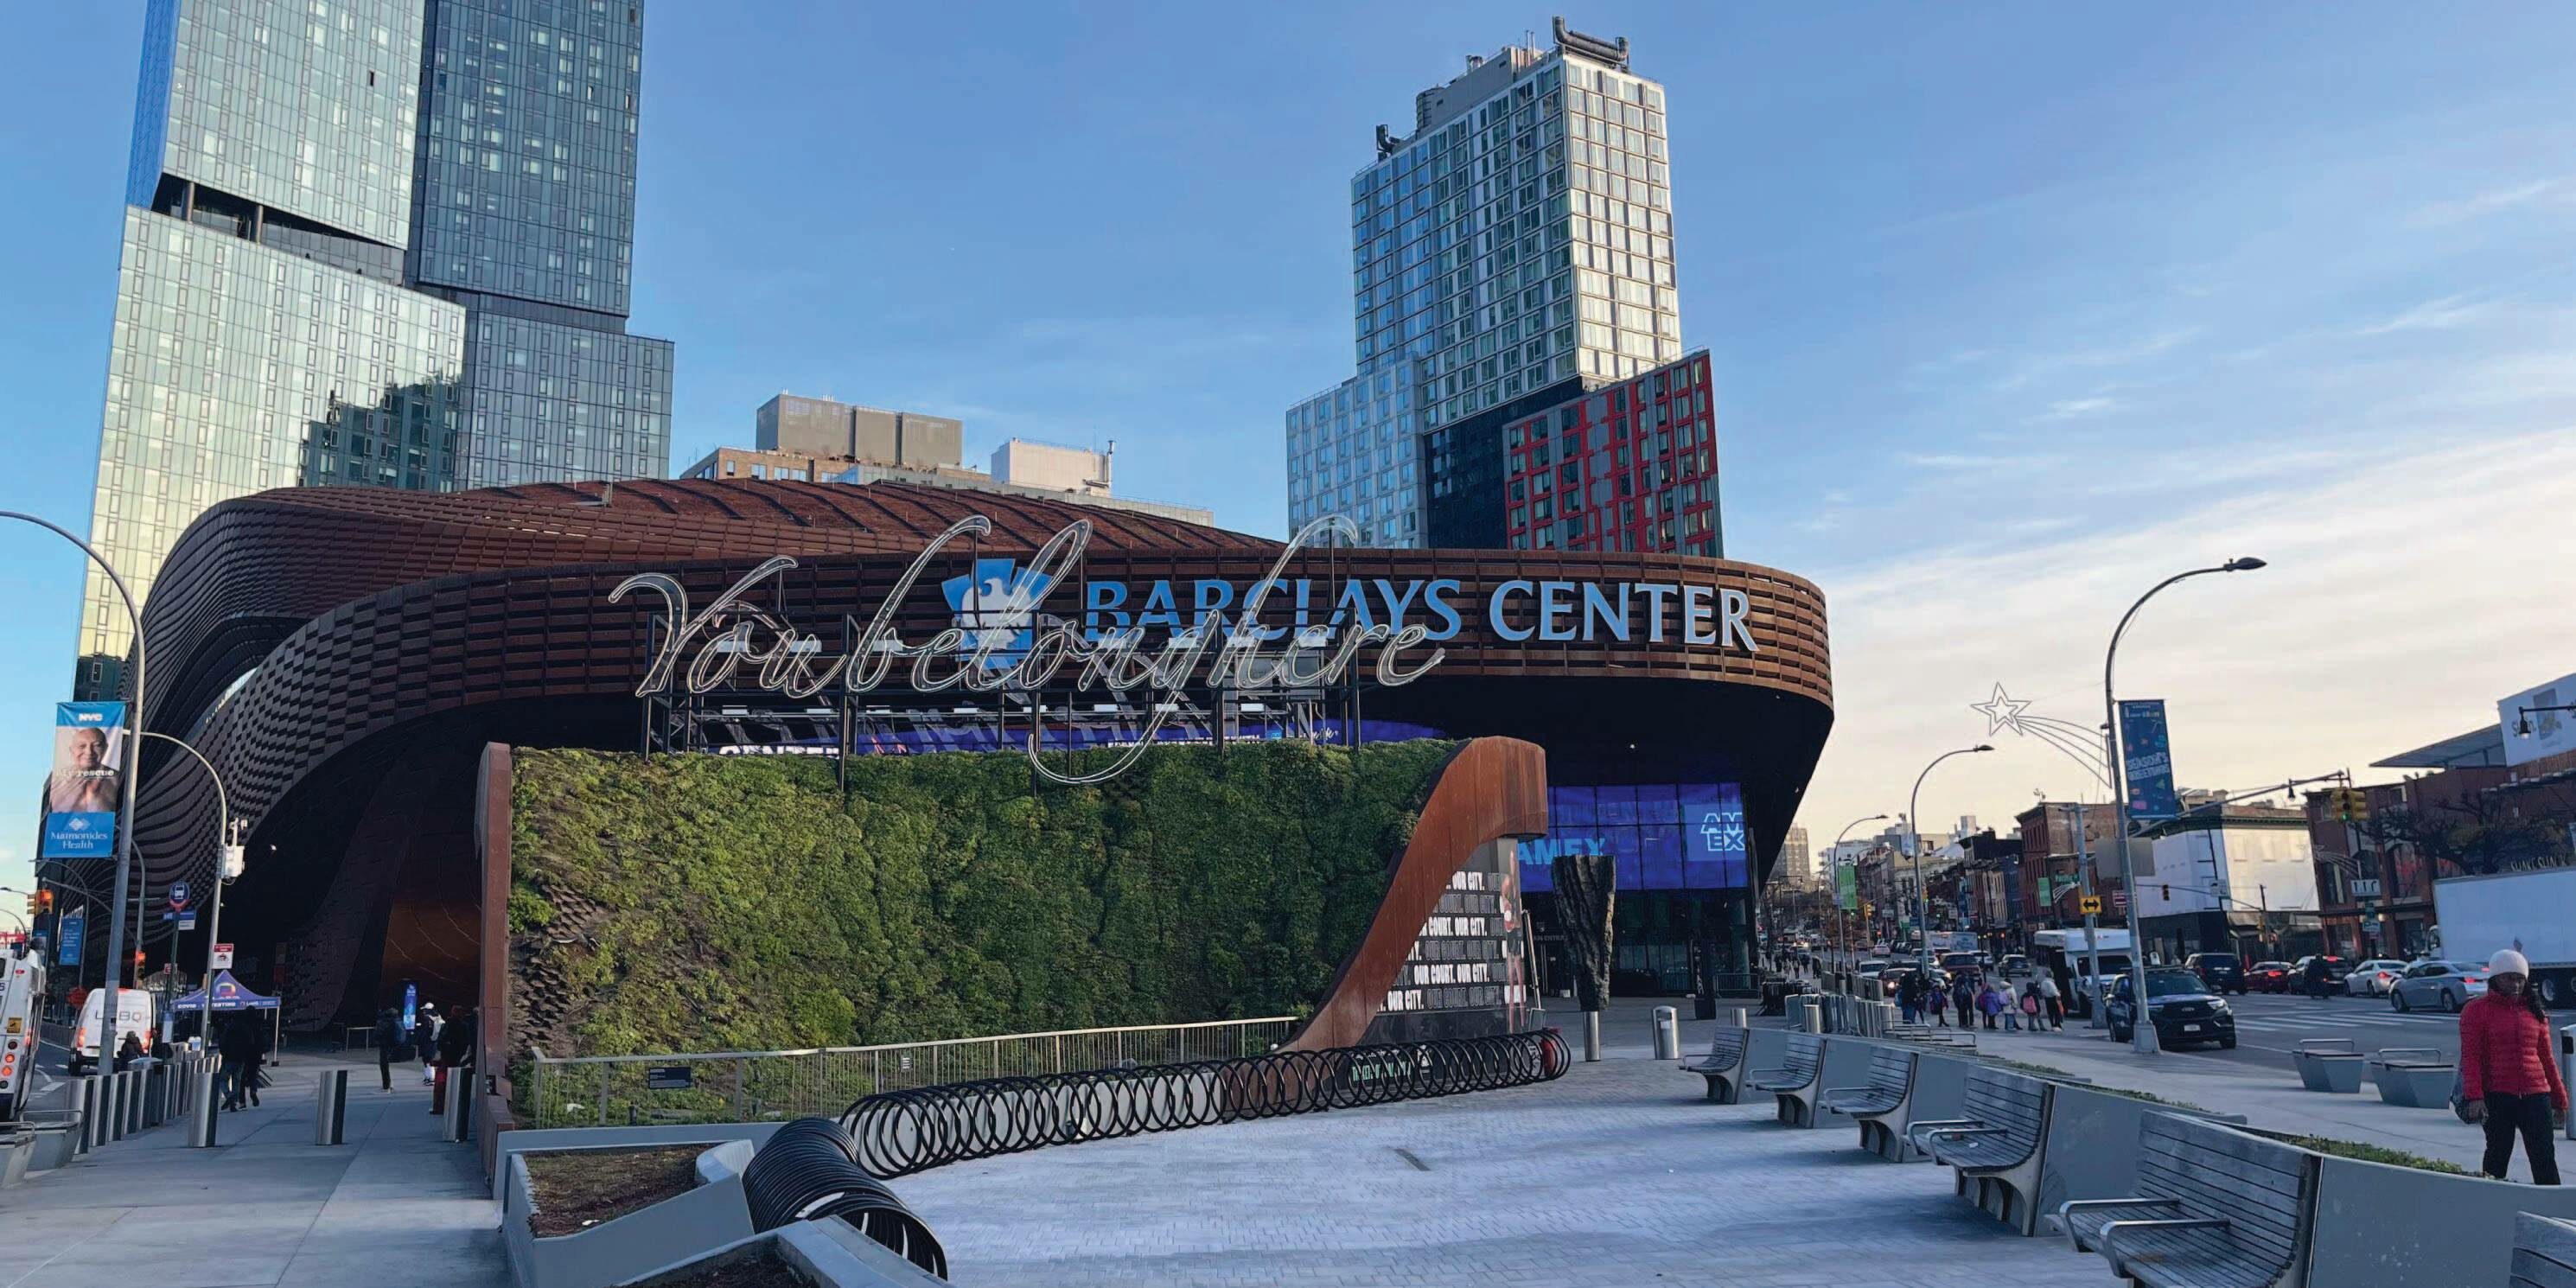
pixel 1513 251
pixel 368 241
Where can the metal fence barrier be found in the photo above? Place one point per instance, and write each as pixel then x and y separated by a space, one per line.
pixel 902 1132
pixel 759 1086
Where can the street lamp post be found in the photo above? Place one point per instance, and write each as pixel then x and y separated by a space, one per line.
pixel 1914 843
pixel 125 824
pixel 2142 1033
pixel 225 843
pixel 1838 844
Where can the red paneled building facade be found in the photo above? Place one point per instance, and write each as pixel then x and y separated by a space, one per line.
pixel 1630 466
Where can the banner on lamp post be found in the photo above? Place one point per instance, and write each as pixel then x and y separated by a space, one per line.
pixel 88 780
pixel 1847 886
pixel 2147 760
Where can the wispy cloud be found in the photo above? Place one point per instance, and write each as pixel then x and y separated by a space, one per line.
pixel 2042 366
pixel 2259 667
pixel 2434 315
pixel 2480 205
pixel 1973 461
pixel 2070 408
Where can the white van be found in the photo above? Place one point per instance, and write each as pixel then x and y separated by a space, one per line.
pixel 133 1015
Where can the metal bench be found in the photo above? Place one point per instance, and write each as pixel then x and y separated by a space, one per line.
pixel 2415 1077
pixel 2544 1252
pixel 1999 1147
pixel 1723 1066
pixel 1883 1107
pixel 2328 1064
pixel 1794 1082
pixel 2215 1209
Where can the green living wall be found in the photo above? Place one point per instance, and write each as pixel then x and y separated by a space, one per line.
pixel 706 903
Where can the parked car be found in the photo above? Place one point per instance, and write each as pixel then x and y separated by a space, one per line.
pixel 2446 984
pixel 2223 972
pixel 2268 977
pixel 2179 1004
pixel 2373 978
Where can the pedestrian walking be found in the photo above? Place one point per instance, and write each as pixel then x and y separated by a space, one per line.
pixel 1940 1009
pixel 424 1036
pixel 455 1051
pixel 127 1051
pixel 2509 1077
pixel 241 1044
pixel 388 1037
pixel 1909 996
pixel 2051 998
pixel 2012 1008
pixel 1963 999
pixel 2315 977
pixel 1989 1004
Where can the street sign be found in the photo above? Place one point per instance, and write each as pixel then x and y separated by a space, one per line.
pixel 187 921
pixel 179 895
pixel 669 1077
pixel 223 959
pixel 2365 887
pixel 2090 905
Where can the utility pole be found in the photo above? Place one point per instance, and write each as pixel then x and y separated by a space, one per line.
pixel 2092 920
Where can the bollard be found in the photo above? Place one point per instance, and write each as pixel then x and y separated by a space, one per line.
pixel 112 1097
pixel 156 1091
pixel 2567 1068
pixel 85 1096
pixel 458 1124
pixel 1734 1018
pixel 330 1107
pixel 135 1095
pixel 201 1088
pixel 1592 1037
pixel 1668 1034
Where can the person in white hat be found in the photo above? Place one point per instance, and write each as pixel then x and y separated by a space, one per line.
pixel 2508 1073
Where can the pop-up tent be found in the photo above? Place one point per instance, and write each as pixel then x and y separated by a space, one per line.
pixel 230 995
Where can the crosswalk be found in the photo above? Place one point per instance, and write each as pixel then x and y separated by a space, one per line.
pixel 2292 1023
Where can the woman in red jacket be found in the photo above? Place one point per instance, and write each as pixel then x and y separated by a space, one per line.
pixel 2508 1073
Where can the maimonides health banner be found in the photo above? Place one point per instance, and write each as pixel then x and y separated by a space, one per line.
pixel 88 781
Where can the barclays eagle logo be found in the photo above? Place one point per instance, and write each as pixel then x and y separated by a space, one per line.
pixel 995 606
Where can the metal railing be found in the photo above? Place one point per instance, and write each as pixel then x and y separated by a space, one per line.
pixel 761 1086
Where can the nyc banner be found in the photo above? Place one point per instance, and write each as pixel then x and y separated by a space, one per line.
pixel 88 781
pixel 2148 758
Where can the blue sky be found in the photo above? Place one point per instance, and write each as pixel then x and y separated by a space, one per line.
pixel 2013 310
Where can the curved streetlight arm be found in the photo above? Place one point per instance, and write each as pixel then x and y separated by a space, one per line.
pixel 125 830
pixel 214 927
pixel 2142 1036
pixel 1914 844
pixel 1838 844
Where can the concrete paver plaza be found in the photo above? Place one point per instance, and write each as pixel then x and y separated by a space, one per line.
pixel 1616 1174
pixel 392 1208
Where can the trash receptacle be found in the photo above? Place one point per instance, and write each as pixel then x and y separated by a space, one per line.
pixel 1668 1034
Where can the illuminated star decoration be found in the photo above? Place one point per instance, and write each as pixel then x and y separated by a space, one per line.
pixel 2003 712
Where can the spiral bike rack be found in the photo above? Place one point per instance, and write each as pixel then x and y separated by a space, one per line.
pixel 898 1133
pixel 806 1171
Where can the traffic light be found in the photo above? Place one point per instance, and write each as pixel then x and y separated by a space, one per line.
pixel 44 901
pixel 2350 804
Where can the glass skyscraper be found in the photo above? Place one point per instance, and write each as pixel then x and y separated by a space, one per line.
pixel 1518 240
pixel 369 241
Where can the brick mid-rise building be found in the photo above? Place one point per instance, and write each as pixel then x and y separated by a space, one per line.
pixel 1630 466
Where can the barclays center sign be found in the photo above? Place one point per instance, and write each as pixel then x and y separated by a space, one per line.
pixel 1277 634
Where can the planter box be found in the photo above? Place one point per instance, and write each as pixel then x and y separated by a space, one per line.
pixel 527 1140
pixel 2417 1086
pixel 677 1229
pixel 828 1254
pixel 2330 1070
pixel 2402 1227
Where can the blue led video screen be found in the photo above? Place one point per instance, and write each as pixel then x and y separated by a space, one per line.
pixel 1664 836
